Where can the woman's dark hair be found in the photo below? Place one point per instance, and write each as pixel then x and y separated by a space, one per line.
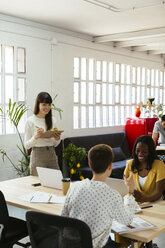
pixel 99 157
pixel 44 97
pixel 151 152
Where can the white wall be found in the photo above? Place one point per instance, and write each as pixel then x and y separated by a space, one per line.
pixel 50 55
pixel 38 79
pixel 63 55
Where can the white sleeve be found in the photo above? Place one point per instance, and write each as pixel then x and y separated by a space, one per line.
pixel 29 139
pixel 65 211
pixel 57 142
pixel 156 128
pixel 65 208
pixel 124 212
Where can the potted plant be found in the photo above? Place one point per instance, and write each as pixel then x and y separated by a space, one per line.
pixel 14 113
pixel 73 156
pixel 151 109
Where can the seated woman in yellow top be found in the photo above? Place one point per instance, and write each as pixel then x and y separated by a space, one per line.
pixel 148 170
pixel 148 174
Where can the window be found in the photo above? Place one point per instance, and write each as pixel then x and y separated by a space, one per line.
pixel 105 92
pixel 12 81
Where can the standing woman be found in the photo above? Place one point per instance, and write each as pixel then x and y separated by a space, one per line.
pixel 43 151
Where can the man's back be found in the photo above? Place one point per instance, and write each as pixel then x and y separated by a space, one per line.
pixel 97 205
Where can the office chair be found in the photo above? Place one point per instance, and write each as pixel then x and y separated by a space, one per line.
pixel 11 228
pixel 53 231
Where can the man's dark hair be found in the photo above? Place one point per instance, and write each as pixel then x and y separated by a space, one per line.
pixel 100 157
pixel 145 139
pixel 163 118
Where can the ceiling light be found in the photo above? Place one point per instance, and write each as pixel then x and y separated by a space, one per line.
pixel 103 5
pixel 115 9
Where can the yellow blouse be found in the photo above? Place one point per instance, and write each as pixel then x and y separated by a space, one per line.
pixel 156 174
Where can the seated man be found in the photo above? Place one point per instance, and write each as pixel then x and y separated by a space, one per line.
pixel 159 130
pixel 95 203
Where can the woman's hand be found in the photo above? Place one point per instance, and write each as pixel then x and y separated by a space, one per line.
pixel 39 132
pixel 57 136
pixel 129 182
pixel 139 197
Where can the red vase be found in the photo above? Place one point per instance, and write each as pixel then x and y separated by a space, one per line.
pixel 137 112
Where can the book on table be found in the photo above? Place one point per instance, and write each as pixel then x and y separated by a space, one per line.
pixel 137 224
pixel 42 197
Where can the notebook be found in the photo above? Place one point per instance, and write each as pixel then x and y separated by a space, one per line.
pixel 50 177
pixel 118 185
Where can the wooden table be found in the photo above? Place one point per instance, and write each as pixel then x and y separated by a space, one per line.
pixel 156 216
pixel 15 188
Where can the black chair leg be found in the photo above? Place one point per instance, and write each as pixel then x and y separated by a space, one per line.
pixel 28 244
pixel 149 244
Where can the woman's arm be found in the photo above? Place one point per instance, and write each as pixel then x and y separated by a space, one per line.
pixel 155 137
pixel 140 197
pixel 30 138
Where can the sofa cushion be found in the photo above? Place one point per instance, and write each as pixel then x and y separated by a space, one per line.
pixel 115 140
pixel 112 139
pixel 118 154
pixel 117 172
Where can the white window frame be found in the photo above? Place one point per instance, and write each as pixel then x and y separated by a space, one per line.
pixel 129 107
pixel 16 76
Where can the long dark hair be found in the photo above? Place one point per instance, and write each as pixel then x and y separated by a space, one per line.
pixel 44 97
pixel 151 152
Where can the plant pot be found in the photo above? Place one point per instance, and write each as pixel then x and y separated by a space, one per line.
pixel 137 112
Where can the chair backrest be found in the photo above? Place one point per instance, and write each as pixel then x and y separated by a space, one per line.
pixel 53 231
pixel 4 215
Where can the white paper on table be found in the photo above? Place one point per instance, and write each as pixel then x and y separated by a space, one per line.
pixel 160 147
pixel 42 197
pixel 57 199
pixel 136 225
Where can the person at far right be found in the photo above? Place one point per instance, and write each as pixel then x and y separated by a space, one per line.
pixel 159 131
pixel 148 170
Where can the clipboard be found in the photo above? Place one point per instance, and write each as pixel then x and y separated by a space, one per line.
pixel 50 133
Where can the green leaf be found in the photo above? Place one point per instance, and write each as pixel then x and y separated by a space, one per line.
pixel 15 112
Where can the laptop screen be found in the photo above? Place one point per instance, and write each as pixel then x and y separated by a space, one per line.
pixel 118 185
pixel 50 177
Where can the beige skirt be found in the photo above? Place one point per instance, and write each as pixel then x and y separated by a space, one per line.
pixel 43 157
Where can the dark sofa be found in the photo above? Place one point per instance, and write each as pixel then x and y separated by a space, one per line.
pixel 116 140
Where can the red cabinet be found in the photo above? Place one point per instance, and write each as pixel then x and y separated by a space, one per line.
pixel 136 127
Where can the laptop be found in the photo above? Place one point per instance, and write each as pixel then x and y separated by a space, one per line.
pixel 118 185
pixel 50 177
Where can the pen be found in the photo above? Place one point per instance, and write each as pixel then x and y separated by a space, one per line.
pixel 50 198
pixel 146 207
pixel 31 198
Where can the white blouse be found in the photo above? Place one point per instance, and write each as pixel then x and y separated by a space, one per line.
pixel 142 180
pixel 97 205
pixel 30 130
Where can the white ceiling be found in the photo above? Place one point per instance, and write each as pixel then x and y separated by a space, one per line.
pixel 133 24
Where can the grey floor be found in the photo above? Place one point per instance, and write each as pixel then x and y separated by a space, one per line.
pixel 20 213
pixel 160 241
